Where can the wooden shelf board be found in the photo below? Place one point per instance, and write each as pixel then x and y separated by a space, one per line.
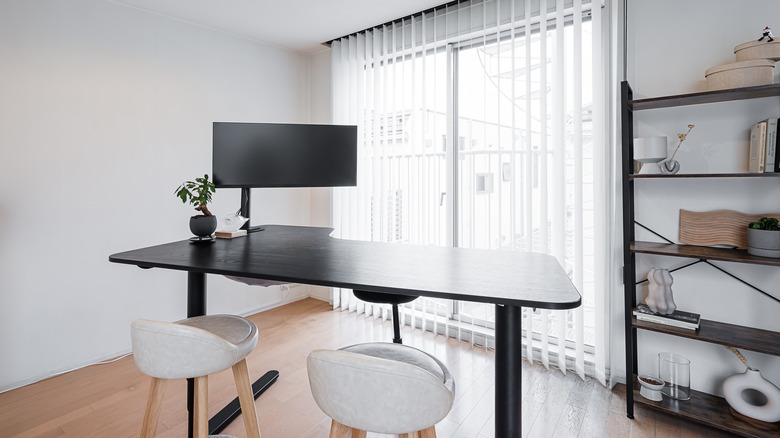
pixel 710 410
pixel 708 175
pixel 701 252
pixel 770 90
pixel 748 338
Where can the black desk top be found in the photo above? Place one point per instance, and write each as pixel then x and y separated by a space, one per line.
pixel 309 255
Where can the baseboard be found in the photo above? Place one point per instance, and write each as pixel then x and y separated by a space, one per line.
pixel 49 374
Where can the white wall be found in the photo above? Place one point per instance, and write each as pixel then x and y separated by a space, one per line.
pixel 104 111
pixel 671 44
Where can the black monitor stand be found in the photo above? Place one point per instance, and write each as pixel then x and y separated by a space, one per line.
pixel 246 202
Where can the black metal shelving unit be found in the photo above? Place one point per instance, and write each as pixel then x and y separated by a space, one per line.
pixel 704 408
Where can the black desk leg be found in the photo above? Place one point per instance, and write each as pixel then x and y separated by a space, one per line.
pixel 196 306
pixel 509 357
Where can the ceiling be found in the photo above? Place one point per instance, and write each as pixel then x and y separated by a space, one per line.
pixel 298 25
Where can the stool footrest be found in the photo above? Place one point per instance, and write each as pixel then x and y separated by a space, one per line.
pixel 219 422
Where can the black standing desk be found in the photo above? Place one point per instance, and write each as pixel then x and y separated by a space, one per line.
pixel 509 279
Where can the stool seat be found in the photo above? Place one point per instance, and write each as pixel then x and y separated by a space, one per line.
pixel 191 347
pixel 408 355
pixel 381 387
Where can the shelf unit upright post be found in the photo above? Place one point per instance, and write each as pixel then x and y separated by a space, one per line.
pixel 704 408
pixel 629 259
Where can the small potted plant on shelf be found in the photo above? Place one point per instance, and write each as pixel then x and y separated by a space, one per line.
pixel 198 193
pixel 764 237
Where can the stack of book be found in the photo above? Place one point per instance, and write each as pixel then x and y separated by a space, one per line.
pixel 679 318
pixel 763 147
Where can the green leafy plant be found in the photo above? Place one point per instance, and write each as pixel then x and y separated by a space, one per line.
pixel 765 223
pixel 197 193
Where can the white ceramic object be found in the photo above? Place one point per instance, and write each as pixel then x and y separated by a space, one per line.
pixel 659 292
pixel 667 282
pixel 740 74
pixel 649 151
pixel 758 50
pixel 669 167
pixel 649 390
pixel 736 385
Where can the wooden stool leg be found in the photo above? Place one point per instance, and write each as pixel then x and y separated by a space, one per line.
pixel 338 430
pixel 201 422
pixel 246 398
pixel 153 405
pixel 357 433
pixel 427 433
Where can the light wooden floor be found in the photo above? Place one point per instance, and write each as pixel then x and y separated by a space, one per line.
pixel 108 400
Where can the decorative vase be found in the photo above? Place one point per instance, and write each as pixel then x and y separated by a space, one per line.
pixel 659 292
pixel 669 167
pixel 203 226
pixel 764 243
pixel 668 297
pixel 675 371
pixel 655 292
pixel 734 390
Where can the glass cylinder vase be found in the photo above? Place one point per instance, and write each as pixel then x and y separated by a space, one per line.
pixel 675 371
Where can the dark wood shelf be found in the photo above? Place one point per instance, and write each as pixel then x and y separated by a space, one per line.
pixel 707 409
pixel 701 252
pixel 708 175
pixel 748 338
pixel 770 90
pixel 711 411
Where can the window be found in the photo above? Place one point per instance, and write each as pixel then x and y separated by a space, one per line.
pixel 481 139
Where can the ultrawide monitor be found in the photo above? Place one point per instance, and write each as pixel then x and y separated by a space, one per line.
pixel 250 155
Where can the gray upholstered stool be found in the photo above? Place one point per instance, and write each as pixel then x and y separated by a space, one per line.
pixel 194 348
pixel 382 388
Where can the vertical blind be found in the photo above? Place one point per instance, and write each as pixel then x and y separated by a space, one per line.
pixel 482 124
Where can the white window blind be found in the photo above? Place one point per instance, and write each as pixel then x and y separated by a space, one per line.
pixel 482 124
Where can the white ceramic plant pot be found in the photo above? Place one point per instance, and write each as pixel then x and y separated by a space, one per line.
pixel 736 385
pixel 764 243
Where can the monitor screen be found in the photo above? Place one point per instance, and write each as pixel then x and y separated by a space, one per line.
pixel 284 155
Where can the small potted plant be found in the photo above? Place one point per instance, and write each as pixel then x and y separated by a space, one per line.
pixel 198 193
pixel 764 237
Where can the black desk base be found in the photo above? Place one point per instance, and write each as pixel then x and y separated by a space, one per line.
pixel 229 413
pixel 509 365
pixel 196 306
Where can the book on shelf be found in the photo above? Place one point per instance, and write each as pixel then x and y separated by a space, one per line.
pixel 757 159
pixel 679 318
pixel 771 145
pixel 777 149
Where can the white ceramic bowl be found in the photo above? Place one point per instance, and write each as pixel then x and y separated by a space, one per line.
pixel 649 390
